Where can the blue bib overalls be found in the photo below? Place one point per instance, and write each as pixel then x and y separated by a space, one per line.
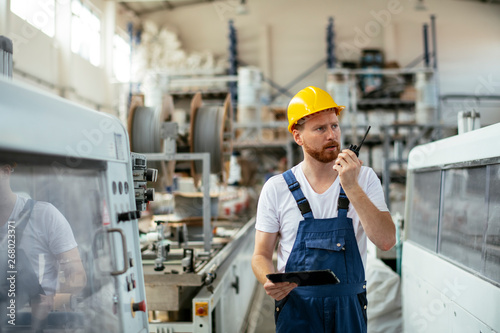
pixel 324 244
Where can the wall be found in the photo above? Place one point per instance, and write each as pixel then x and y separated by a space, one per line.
pixel 468 37
pixel 50 64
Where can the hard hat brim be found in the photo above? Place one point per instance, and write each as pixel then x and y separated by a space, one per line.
pixel 337 108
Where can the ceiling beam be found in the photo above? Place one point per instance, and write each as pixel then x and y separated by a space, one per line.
pixel 127 7
pixel 138 1
pixel 168 5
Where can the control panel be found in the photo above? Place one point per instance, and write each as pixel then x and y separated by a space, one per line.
pixel 74 165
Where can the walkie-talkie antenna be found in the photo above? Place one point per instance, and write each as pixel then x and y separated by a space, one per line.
pixel 355 148
pixel 368 130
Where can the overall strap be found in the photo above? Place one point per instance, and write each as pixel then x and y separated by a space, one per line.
pixel 294 187
pixel 21 259
pixel 343 204
pixel 23 219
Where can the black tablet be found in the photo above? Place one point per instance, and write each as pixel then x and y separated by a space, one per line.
pixel 305 278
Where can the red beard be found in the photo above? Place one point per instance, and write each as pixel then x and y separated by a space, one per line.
pixel 323 155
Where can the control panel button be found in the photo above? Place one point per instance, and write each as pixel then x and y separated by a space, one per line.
pixel 151 175
pixel 201 309
pixel 128 216
pixel 150 194
pixel 140 306
pixel 128 284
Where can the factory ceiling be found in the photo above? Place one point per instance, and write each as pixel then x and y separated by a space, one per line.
pixel 144 7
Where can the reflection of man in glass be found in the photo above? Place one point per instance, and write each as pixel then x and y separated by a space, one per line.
pixel 49 245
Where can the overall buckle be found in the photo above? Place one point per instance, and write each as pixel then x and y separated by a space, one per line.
pixel 294 186
pixel 304 206
pixel 343 202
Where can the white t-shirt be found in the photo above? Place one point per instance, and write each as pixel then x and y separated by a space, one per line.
pixel 277 210
pixel 46 235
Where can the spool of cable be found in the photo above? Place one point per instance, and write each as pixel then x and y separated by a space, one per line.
pixel 211 132
pixel 144 125
pixel 144 128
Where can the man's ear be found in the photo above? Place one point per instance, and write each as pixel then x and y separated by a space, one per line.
pixel 6 169
pixel 297 137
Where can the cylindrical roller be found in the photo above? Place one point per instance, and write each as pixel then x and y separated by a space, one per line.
pixel 211 133
pixel 144 128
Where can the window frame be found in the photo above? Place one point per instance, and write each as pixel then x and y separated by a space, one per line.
pixel 81 51
pixel 488 164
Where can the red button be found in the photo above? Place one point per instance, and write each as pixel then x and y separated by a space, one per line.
pixel 141 306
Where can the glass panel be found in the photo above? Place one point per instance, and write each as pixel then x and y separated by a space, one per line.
pixel 492 265
pixel 424 208
pixel 76 7
pixel 56 275
pixel 85 33
pixel 40 14
pixel 464 216
pixel 121 59
pixel 19 8
pixel 76 34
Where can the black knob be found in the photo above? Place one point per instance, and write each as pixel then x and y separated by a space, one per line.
pixel 149 194
pixel 128 216
pixel 151 175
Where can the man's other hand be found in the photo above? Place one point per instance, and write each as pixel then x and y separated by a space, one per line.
pixel 278 290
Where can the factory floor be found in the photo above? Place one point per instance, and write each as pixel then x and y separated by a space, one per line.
pixel 261 315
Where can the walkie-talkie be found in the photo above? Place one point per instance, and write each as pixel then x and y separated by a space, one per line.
pixel 355 148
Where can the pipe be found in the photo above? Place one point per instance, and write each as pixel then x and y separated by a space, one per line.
pixel 434 54
pixel 130 30
pixel 426 45
pixel 434 42
pixel 233 67
pixel 330 45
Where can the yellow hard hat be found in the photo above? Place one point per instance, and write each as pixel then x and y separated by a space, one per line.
pixel 308 101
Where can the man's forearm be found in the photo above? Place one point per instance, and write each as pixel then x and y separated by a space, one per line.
pixel 378 226
pixel 74 276
pixel 262 266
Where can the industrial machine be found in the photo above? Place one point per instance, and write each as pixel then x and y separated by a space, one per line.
pixel 451 253
pixel 76 165
pixel 196 261
pixel 143 267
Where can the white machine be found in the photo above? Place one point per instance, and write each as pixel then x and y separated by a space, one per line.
pixel 451 253
pixel 76 162
pixel 197 273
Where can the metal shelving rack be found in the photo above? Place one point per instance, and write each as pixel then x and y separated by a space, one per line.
pixel 396 137
pixel 251 136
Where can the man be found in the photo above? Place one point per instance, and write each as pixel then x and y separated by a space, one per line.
pixel 46 258
pixel 315 229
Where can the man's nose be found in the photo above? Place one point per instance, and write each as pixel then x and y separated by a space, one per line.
pixel 331 133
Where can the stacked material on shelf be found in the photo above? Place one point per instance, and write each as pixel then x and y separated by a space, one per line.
pixel 161 50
